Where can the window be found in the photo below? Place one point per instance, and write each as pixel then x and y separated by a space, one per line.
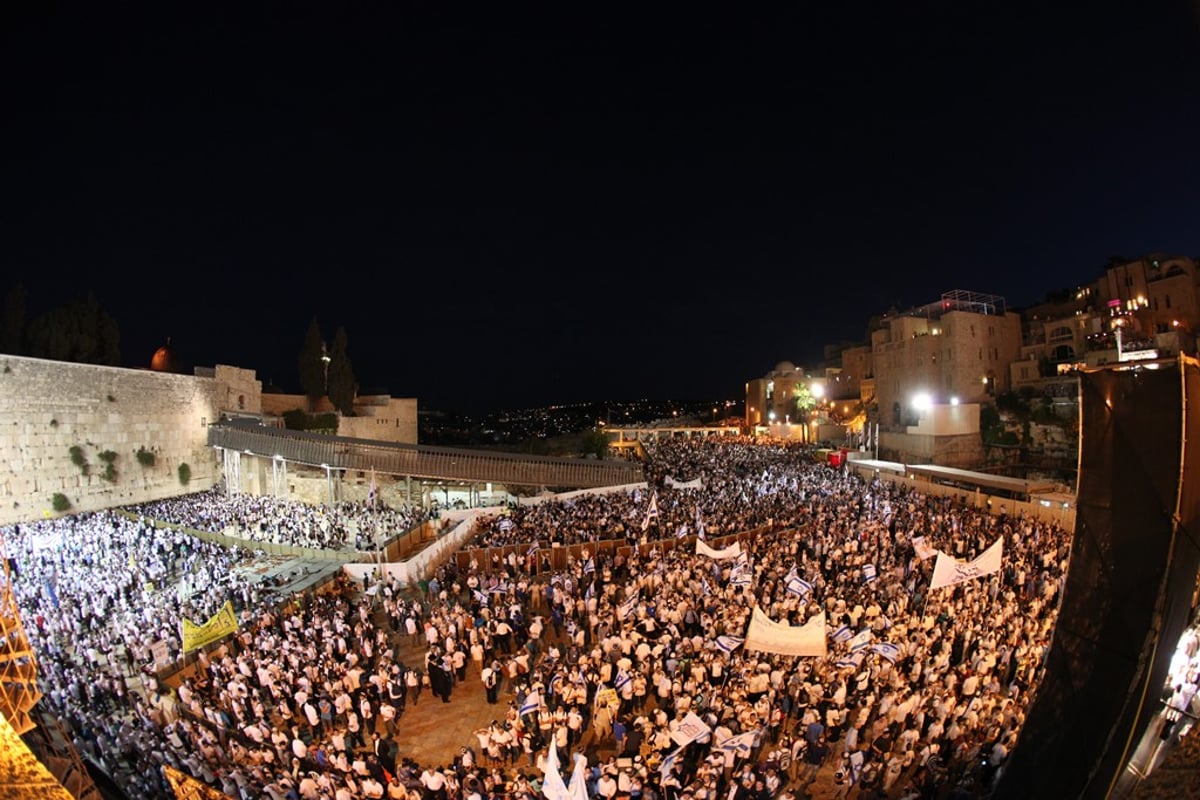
pixel 1059 334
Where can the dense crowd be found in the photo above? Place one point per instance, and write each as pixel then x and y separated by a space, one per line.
pixel 343 525
pixel 608 657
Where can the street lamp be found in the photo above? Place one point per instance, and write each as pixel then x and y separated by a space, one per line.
pixel 325 359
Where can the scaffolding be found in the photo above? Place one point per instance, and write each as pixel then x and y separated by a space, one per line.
pixel 50 767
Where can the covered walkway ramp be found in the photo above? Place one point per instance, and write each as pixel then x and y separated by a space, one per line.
pixel 247 446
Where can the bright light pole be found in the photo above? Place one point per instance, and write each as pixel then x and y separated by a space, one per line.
pixel 325 359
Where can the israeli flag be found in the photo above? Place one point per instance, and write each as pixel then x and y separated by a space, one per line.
pixel 533 548
pixel 682 532
pixel 664 769
pixel 868 573
pixel 533 700
pixel 729 643
pixel 860 639
pixel 505 524
pixel 591 591
pixel 799 587
pixel 621 680
pixel 480 597
pixel 590 566
pixel 741 744
pixel 704 586
pixel 628 607
pixel 842 634
pixel 853 660
pixel 743 578
pixel 888 650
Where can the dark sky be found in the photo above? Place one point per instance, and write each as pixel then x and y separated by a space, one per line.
pixel 507 207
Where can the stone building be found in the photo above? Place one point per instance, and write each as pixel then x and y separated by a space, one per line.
pixel 956 350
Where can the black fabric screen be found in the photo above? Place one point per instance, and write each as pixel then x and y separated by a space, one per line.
pixel 1129 589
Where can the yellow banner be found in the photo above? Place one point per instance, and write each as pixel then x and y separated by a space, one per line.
pixel 222 623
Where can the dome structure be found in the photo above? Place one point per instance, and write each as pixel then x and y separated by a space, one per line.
pixel 165 359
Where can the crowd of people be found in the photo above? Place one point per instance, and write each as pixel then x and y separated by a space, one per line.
pixel 922 693
pixel 337 526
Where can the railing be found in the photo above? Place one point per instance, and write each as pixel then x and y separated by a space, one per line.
pixel 420 461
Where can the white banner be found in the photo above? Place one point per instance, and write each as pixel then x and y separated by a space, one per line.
pixel 733 551
pixel 692 484
pixel 769 636
pixel 949 571
pixel 689 730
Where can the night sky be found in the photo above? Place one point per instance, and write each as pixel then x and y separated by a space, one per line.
pixel 508 207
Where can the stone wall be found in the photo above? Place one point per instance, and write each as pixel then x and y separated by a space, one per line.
pixel 48 407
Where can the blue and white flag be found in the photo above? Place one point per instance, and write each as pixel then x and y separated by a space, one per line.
pixel 628 607
pixel 704 587
pixel 621 680
pixel 842 634
pixel 741 578
pixel 860 639
pixel 651 511
pixel 682 532
pixel 741 744
pixel 480 597
pixel 533 701
pixel 589 565
pixel 853 660
pixel 505 524
pixel 591 591
pixel 664 769
pixel 699 524
pixel 729 643
pixel 888 650
pixel 799 587
pixel 533 548
pixel 868 573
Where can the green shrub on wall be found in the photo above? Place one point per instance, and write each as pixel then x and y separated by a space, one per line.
pixel 60 502
pixel 185 473
pixel 145 457
pixel 78 458
pixel 110 470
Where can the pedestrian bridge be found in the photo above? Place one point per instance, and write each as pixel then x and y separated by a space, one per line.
pixel 241 438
